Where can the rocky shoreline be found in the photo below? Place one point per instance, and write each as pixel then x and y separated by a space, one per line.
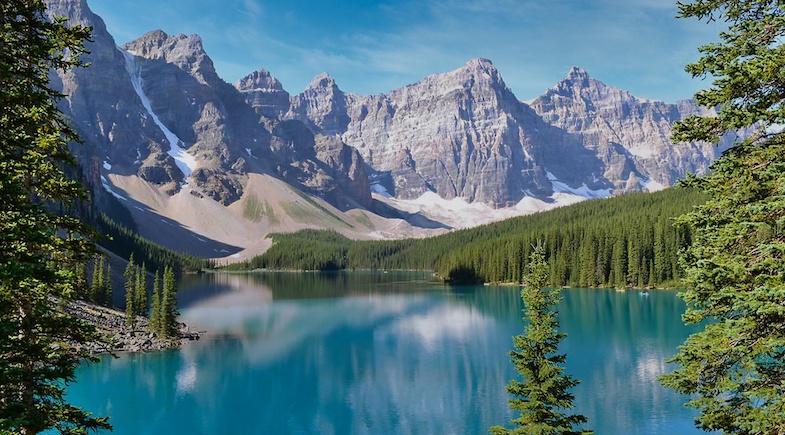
pixel 115 336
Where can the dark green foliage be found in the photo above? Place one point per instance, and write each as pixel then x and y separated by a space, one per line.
pixel 140 291
pixel 155 305
pixel 101 285
pixel 542 396
pixel 167 322
pixel 735 269
pixel 304 250
pixel 98 284
pixel 624 241
pixel 130 291
pixel 106 294
pixel 735 275
pixel 40 252
pixel 126 242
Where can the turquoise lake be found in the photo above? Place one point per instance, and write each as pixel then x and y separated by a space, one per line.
pixel 382 353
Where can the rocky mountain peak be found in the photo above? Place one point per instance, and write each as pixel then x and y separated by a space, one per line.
pixel 260 79
pixel 74 10
pixel 264 93
pixel 480 64
pixel 577 79
pixel 322 106
pixel 578 74
pixel 323 81
pixel 186 52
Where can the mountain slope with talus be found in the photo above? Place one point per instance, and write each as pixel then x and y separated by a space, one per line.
pixel 200 165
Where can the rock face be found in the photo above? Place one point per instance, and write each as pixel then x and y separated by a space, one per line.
pixel 464 134
pixel 156 108
pixel 264 93
pixel 630 136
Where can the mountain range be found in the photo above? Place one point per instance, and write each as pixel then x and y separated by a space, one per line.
pixel 210 168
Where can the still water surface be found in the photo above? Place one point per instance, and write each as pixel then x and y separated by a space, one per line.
pixel 373 353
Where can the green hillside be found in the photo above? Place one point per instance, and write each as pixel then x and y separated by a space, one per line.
pixel 628 240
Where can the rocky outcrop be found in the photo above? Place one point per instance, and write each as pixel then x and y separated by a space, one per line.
pixel 208 117
pixel 105 109
pixel 322 106
pixel 464 134
pixel 631 136
pixel 264 93
pixel 156 108
pixel 460 134
pixel 115 335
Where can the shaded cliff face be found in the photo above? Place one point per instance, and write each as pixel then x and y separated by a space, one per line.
pixel 106 110
pixel 630 135
pixel 156 108
pixel 207 118
pixel 264 93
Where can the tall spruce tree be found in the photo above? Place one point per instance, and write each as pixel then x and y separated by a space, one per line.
pixel 140 291
pixel 735 268
pixel 155 305
pixel 130 291
pixel 168 316
pixel 97 285
pixel 106 295
pixel 542 397
pixel 36 264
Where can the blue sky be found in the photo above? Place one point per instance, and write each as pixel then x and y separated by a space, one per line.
pixel 374 46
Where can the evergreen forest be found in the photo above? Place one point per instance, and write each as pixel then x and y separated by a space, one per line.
pixel 626 241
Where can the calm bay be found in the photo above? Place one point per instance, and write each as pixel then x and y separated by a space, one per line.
pixel 382 353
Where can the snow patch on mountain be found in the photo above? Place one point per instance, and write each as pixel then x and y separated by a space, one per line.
pixel 583 190
pixel 185 162
pixel 108 187
pixel 643 151
pixel 652 186
pixel 379 189
pixel 458 213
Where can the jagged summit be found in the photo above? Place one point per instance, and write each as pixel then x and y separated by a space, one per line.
pixel 323 80
pixel 460 134
pixel 264 93
pixel 260 79
pixel 578 76
pixel 479 63
pixel 158 44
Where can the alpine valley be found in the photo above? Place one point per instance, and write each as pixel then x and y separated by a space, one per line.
pixel 209 168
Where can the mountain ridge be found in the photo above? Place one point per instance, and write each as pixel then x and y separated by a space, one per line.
pixel 414 161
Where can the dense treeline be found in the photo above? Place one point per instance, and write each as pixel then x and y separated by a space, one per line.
pixel 127 244
pixel 624 241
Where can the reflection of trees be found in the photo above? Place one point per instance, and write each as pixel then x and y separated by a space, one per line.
pixel 394 359
pixel 617 343
pixel 302 285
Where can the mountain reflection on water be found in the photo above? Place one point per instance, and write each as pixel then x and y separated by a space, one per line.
pixel 374 353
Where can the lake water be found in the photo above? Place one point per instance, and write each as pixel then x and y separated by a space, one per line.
pixel 373 353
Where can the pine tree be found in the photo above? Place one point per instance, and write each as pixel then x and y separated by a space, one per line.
pixel 140 291
pixel 106 298
pixel 543 396
pixel 734 369
pixel 98 279
pixel 36 262
pixel 155 305
pixel 130 291
pixel 168 322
